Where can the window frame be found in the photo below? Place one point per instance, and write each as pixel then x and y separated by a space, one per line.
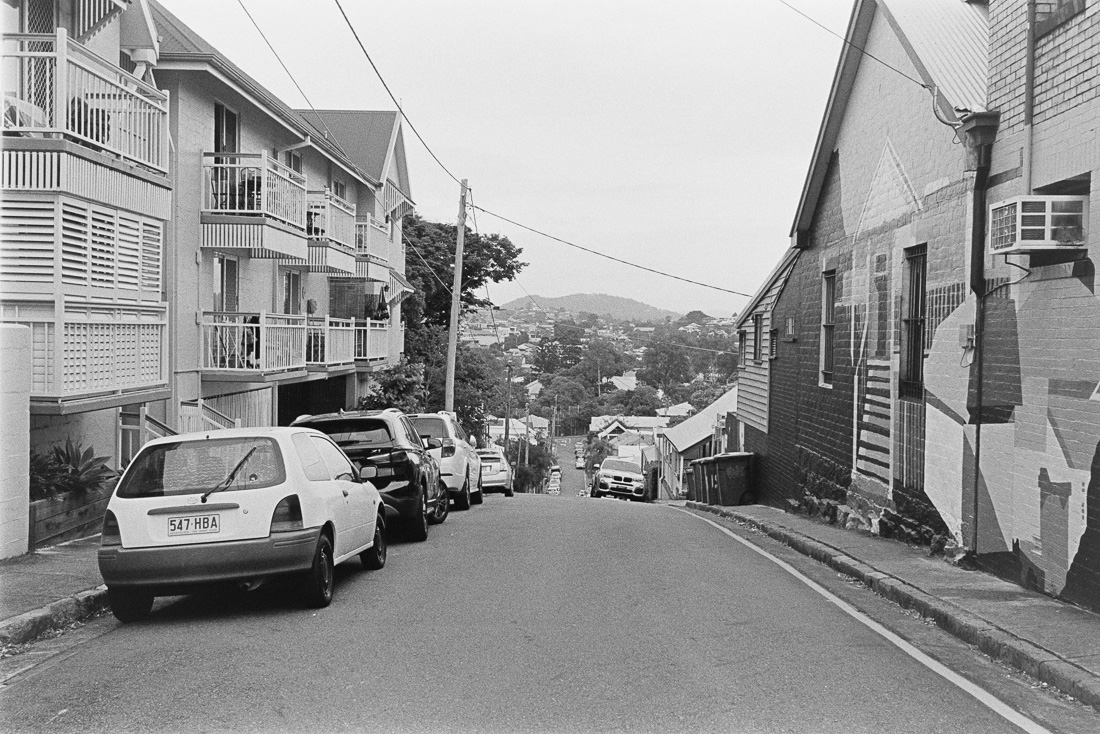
pixel 218 290
pixel 757 337
pixel 742 347
pixel 914 324
pixel 827 362
pixel 290 277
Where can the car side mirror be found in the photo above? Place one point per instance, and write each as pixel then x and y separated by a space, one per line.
pixel 434 443
pixel 370 471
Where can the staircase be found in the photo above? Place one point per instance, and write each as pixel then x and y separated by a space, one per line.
pixel 874 419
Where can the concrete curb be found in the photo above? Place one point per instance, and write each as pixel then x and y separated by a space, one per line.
pixel 999 644
pixel 30 625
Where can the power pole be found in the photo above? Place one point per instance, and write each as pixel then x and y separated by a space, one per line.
pixel 508 407
pixel 456 303
pixel 527 433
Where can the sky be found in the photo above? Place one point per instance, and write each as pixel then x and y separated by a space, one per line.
pixel 673 135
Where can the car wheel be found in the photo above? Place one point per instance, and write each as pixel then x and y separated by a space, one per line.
pixel 478 497
pixel 374 558
pixel 442 506
pixel 129 605
pixel 320 580
pixel 417 529
pixel 508 492
pixel 596 494
pixel 462 501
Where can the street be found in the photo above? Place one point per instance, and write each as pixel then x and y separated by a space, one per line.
pixel 531 613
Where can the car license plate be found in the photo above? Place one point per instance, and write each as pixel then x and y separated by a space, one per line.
pixel 193 525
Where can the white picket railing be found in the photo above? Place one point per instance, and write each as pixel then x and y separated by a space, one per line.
pixel 372 341
pixel 253 342
pixel 53 84
pixel 330 342
pixel 197 415
pixel 331 218
pixel 253 183
pixel 372 238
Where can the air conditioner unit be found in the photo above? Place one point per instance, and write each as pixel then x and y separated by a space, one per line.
pixel 1038 224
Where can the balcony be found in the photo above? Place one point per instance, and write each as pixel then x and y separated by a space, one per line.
pixel 372 341
pixel 330 343
pixel 252 346
pixel 90 356
pixel 330 226
pixel 372 240
pixel 55 87
pixel 252 202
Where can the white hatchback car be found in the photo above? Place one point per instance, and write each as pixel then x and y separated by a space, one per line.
pixel 496 472
pixel 459 464
pixel 239 505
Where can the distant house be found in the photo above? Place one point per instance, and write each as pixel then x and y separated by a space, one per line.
pixel 534 389
pixel 607 426
pixel 626 381
pixel 678 410
pixel 703 434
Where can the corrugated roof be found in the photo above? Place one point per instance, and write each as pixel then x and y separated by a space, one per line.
pixel 951 39
pixel 700 426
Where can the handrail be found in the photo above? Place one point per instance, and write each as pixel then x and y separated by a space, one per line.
pixel 56 85
pixel 263 342
pixel 331 217
pixel 253 183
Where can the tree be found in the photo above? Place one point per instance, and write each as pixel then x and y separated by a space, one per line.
pixel 600 361
pixel 665 364
pixel 401 387
pixel 694 317
pixel 547 357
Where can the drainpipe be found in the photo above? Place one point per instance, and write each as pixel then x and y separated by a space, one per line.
pixel 1029 95
pixel 978 131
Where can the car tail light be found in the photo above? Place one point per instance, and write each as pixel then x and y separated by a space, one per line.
pixel 448 447
pixel 111 534
pixel 287 516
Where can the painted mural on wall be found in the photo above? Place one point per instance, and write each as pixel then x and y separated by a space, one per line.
pixel 1038 501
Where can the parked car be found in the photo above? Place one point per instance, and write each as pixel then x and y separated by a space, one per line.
pixel 238 505
pixel 459 464
pixel 496 472
pixel 620 478
pixel 579 463
pixel 408 475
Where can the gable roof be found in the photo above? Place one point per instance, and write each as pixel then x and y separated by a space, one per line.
pixel 947 41
pixel 181 44
pixel 777 279
pixel 371 138
pixel 700 426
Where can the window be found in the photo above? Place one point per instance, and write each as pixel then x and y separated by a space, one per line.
pixel 742 343
pixel 339 188
pixel 226 284
pixel 293 160
pixel 757 336
pixel 292 292
pixel 338 465
pixel 913 324
pixel 828 325
pixel 226 126
pixel 312 463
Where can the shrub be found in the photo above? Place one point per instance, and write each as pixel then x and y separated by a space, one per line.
pixel 68 469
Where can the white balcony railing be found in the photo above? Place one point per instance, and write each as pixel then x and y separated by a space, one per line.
pixel 109 351
pixel 372 341
pixel 330 342
pixel 372 238
pixel 54 85
pixel 253 342
pixel 330 218
pixel 253 184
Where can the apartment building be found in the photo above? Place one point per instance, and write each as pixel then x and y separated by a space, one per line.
pixel 285 263
pixel 86 195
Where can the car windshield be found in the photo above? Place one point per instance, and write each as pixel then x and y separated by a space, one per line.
pixel 430 427
pixel 619 465
pixel 490 454
pixel 196 467
pixel 354 431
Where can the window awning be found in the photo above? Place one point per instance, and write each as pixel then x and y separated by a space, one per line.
pixel 399 287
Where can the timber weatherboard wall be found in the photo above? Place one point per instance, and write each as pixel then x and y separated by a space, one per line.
pixel 753 379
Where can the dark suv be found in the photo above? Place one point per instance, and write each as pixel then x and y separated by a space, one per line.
pixel 408 476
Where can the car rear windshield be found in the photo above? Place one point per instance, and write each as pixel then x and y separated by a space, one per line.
pixel 430 427
pixel 359 430
pixel 617 465
pixel 490 454
pixel 193 467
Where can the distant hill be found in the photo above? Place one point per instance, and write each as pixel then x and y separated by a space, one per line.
pixel 601 304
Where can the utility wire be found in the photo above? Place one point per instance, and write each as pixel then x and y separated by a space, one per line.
pixel 387 88
pixel 610 257
pixel 292 79
pixel 426 264
pixel 863 51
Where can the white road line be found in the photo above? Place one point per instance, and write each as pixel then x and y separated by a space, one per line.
pixel 990 701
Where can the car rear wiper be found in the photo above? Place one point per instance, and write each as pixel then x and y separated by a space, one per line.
pixel 229 479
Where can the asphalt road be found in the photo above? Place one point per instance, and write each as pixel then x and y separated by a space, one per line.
pixel 531 614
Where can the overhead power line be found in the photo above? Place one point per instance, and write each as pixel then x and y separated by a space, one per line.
pixel 394 98
pixel 610 257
